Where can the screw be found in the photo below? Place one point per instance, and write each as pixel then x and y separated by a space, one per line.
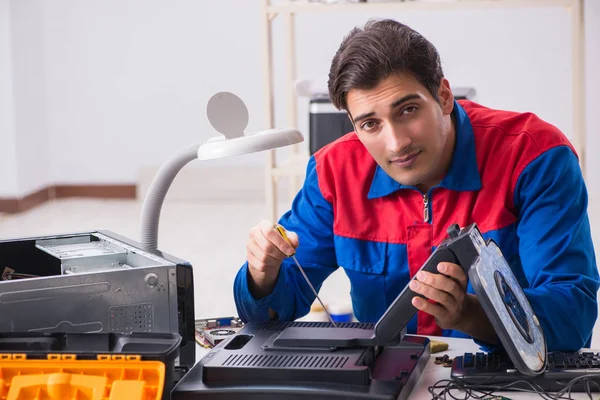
pixel 151 280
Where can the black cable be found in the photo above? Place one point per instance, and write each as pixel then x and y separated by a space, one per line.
pixel 491 388
pixel 586 381
pixel 481 391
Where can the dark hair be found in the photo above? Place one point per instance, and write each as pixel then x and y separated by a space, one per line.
pixel 380 49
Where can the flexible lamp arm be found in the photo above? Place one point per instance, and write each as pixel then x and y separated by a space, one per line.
pixel 228 114
pixel 158 190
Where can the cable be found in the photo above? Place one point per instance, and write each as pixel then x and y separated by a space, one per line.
pixel 483 391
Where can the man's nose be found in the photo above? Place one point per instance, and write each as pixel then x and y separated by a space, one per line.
pixel 395 140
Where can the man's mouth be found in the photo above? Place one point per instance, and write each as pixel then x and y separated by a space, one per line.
pixel 406 160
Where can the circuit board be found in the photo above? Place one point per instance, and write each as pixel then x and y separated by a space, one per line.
pixel 210 332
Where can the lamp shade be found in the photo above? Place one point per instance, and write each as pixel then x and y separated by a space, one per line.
pixel 221 147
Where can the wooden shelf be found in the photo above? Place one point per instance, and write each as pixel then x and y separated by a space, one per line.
pixel 300 7
pixel 294 167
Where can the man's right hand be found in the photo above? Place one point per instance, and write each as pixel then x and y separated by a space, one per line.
pixel 265 251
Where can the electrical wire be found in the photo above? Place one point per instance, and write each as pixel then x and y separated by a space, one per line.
pixel 485 391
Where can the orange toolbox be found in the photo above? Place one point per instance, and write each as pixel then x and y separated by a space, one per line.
pixel 87 366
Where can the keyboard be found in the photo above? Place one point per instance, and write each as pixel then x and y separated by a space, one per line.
pixel 497 369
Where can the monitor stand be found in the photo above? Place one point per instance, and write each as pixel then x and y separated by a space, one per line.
pixel 254 365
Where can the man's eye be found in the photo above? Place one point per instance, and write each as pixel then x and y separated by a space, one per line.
pixel 409 110
pixel 368 125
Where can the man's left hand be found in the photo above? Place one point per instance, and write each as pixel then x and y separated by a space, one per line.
pixel 448 290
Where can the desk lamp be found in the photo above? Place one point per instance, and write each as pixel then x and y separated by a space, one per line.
pixel 228 114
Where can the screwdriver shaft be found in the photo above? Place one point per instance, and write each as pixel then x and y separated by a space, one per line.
pixel 281 231
pixel 314 291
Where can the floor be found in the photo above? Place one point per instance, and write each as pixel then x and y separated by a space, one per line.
pixel 211 236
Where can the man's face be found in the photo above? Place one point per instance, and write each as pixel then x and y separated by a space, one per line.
pixel 408 132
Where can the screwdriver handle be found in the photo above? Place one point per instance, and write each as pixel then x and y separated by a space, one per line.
pixel 284 235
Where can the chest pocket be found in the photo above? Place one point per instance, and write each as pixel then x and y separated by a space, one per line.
pixel 365 265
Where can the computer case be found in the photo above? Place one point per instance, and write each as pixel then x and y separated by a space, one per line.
pixel 326 123
pixel 95 282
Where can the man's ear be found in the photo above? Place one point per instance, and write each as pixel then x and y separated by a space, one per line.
pixel 446 97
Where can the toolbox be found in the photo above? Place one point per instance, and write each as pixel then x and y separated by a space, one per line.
pixel 87 366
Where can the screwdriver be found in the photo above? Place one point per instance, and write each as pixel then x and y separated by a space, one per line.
pixel 281 231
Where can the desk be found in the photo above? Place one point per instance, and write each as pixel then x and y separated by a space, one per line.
pixel 434 373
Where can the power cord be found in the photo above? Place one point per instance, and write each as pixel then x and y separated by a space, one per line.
pixel 444 389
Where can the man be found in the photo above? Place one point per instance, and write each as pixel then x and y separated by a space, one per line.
pixel 377 201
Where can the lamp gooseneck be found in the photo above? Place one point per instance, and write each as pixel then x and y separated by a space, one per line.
pixel 158 190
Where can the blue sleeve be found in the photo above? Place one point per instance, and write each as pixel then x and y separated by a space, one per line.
pixel 556 249
pixel 311 217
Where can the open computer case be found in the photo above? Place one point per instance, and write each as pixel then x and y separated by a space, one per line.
pixel 95 282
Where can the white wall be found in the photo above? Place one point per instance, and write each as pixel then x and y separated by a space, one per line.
pixel 592 48
pixel 128 81
pixel 109 87
pixel 8 147
pixel 29 80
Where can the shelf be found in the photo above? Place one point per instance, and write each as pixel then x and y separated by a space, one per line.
pixel 299 7
pixel 294 167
